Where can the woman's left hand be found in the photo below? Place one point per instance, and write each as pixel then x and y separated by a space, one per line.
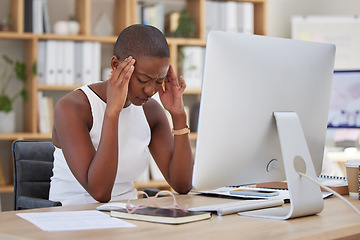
pixel 171 97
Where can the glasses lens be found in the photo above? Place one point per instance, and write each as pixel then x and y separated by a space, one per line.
pixel 139 199
pixel 164 199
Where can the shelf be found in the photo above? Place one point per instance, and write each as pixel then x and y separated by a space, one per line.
pixel 6 188
pixel 15 35
pixel 102 39
pixel 26 36
pixel 187 41
pixel 193 136
pixel 57 87
pixel 192 91
pixel 160 184
pixel 30 36
pixel 23 136
pixel 253 1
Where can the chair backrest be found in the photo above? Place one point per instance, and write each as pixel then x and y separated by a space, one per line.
pixel 33 163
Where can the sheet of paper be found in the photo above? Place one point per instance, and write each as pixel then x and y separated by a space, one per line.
pixel 111 206
pixel 74 220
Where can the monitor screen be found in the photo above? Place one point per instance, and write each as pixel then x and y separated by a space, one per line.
pixel 246 79
pixel 345 100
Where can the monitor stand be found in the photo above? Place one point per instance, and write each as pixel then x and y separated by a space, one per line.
pixel 305 196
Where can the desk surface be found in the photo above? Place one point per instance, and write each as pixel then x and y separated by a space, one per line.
pixel 337 220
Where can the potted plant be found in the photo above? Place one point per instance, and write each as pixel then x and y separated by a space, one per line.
pixel 5 26
pixel 11 69
pixel 186 27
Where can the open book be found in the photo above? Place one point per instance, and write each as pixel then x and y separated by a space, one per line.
pixel 161 215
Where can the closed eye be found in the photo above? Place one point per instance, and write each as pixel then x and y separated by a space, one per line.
pixel 141 80
pixel 161 80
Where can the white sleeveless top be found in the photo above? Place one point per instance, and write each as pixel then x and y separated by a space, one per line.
pixel 134 138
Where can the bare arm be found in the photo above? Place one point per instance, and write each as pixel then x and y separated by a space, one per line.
pixel 172 154
pixel 95 170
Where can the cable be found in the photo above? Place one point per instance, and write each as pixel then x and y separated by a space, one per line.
pixel 330 190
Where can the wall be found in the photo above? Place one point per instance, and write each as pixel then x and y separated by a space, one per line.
pixel 280 12
pixel 279 25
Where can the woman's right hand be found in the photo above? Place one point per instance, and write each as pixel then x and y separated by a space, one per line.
pixel 117 86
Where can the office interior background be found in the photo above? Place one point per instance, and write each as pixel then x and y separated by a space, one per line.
pixel 278 21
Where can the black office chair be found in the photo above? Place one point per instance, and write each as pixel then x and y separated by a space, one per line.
pixel 33 163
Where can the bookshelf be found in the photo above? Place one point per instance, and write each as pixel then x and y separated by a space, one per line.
pixel 125 14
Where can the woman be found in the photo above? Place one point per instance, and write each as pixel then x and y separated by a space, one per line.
pixel 102 131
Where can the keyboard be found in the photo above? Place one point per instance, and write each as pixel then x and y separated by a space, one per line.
pixel 239 206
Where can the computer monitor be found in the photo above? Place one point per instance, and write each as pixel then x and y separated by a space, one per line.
pixel 345 100
pixel 246 79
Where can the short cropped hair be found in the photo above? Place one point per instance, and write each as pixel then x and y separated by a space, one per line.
pixel 141 40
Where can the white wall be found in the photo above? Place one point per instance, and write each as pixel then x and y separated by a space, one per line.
pixel 280 12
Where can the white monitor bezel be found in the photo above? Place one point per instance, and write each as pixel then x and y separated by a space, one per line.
pixel 236 140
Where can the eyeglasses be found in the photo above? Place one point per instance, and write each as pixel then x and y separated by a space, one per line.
pixel 131 208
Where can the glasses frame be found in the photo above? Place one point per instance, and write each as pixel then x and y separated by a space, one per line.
pixel 174 205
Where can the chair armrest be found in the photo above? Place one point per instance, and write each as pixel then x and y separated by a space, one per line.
pixel 31 202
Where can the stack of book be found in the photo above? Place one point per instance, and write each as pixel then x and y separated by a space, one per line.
pixel 36 16
pixel 45 113
pixel 229 16
pixel 68 62
pixel 193 66
pixel 153 14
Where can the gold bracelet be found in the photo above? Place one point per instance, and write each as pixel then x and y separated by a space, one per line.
pixel 181 131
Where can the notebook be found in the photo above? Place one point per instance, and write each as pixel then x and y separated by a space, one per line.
pixel 161 215
pixel 338 184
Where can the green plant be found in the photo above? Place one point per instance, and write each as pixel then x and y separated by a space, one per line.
pixel 186 27
pixel 5 25
pixel 11 68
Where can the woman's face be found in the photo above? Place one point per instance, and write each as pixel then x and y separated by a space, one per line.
pixel 148 76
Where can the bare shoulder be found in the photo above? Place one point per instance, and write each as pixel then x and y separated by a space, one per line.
pixel 71 112
pixel 75 101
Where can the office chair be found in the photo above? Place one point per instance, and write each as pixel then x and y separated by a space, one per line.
pixel 33 163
